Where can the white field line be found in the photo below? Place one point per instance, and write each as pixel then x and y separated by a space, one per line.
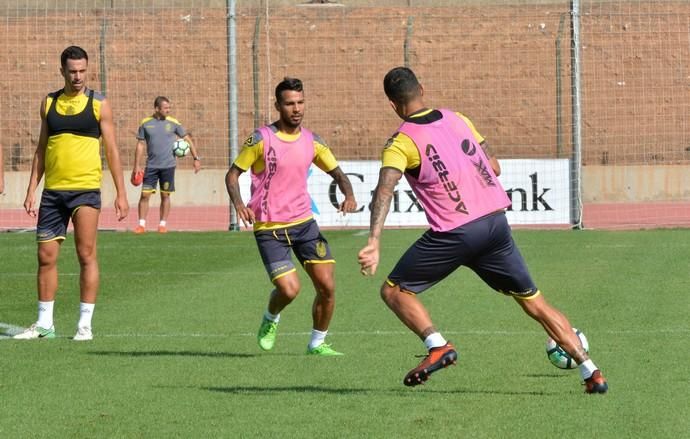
pixel 10 330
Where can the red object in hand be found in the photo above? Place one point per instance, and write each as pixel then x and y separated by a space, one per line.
pixel 137 178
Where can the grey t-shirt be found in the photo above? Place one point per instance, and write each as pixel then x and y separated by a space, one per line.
pixel 160 136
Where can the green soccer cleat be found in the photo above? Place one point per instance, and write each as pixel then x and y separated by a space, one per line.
pixel 323 350
pixel 267 334
pixel 34 332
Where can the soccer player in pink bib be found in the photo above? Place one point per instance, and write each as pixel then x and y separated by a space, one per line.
pixel 279 156
pixel 453 173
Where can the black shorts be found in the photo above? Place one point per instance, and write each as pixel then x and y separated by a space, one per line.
pixel 57 207
pixel 165 176
pixel 304 239
pixel 485 246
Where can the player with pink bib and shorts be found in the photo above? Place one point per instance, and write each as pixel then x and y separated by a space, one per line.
pixel 279 156
pixel 454 175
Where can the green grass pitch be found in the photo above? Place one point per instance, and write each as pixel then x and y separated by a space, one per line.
pixel 175 351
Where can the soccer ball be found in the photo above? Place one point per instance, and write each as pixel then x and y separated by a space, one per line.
pixel 560 358
pixel 180 148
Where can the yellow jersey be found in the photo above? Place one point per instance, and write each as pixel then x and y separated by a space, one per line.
pixel 72 158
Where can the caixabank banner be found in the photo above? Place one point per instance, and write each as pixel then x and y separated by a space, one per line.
pixel 540 192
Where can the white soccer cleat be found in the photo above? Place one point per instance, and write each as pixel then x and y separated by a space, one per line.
pixel 34 332
pixel 83 334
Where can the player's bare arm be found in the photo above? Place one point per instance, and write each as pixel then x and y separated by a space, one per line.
pixel 37 165
pixel 493 161
pixel 383 194
pixel 343 182
pixel 139 153
pixel 112 154
pixel 195 153
pixel 232 184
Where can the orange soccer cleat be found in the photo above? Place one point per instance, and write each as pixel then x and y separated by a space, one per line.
pixel 596 383
pixel 437 359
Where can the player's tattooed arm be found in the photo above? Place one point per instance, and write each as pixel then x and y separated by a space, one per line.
pixel 381 202
pixel 493 161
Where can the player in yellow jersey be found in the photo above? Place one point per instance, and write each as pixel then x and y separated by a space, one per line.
pixel 68 155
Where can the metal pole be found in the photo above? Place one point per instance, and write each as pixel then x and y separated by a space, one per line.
pixel 559 91
pixel 576 160
pixel 255 71
pixel 408 41
pixel 232 98
pixel 101 51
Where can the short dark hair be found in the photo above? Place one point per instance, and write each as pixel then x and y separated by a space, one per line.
pixel 73 52
pixel 287 83
pixel 401 85
pixel 159 100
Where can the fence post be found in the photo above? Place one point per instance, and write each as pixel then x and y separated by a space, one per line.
pixel 576 159
pixel 232 98
pixel 408 41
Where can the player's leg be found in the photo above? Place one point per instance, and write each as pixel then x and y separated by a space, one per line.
pixel 275 253
pixel 47 285
pixel 408 308
pixel 556 324
pixel 314 253
pixel 322 277
pixel 323 307
pixel 51 230
pixel 164 212
pixel 85 220
pixel 143 210
pixel 287 288
pixel 148 187
pixel 47 276
pixel 428 261
pixel 167 181
pixel 503 268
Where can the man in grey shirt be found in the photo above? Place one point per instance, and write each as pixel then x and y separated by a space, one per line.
pixel 156 136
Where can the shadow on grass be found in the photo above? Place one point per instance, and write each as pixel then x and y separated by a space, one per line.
pixel 548 375
pixel 256 390
pixel 491 392
pixel 172 354
pixel 289 389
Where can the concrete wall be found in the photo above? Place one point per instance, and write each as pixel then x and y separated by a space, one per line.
pixel 610 184
pixel 634 184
